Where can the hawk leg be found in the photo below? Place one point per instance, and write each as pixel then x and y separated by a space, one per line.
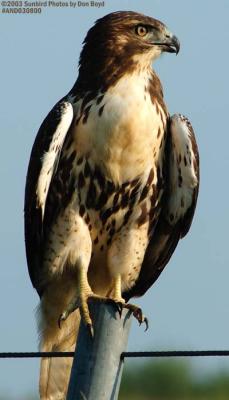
pixel 118 299
pixel 84 293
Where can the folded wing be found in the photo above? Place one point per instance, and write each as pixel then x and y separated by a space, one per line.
pixel 179 203
pixel 43 164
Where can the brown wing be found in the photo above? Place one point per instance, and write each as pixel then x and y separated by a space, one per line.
pixel 43 163
pixel 179 203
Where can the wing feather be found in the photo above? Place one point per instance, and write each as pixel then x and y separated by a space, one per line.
pixel 43 164
pixel 179 202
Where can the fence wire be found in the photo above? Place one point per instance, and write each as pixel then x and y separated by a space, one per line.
pixel 127 354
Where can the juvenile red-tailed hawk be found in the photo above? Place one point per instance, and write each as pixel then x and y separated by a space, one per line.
pixel 112 184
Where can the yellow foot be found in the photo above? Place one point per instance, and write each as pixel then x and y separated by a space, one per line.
pixel 81 302
pixel 120 304
pixel 137 313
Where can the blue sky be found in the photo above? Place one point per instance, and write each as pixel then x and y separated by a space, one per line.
pixel 188 305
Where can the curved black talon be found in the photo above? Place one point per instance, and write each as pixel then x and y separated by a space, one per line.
pixel 118 305
pixel 146 322
pixel 91 330
pixel 60 320
pixel 138 314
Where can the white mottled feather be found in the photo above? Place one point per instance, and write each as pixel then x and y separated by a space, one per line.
pixel 50 158
pixel 181 196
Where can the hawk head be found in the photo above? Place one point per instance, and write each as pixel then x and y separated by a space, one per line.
pixel 119 43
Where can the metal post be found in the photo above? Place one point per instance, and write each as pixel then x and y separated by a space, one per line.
pixel 97 367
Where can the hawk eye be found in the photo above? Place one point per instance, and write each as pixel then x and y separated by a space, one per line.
pixel 141 30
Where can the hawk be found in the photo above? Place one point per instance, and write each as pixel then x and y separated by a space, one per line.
pixel 111 188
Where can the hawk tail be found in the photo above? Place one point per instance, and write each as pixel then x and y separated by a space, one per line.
pixel 55 372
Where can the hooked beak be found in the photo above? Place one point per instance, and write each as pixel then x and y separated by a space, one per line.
pixel 170 44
